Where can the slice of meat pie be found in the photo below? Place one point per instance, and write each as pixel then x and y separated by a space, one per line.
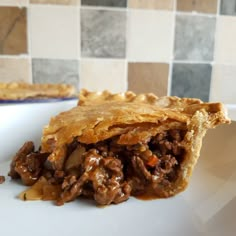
pixel 112 146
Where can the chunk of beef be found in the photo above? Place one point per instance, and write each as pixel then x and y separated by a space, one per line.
pixel 27 164
pixel 105 177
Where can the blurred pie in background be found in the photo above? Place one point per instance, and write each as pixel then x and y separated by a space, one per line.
pixel 24 91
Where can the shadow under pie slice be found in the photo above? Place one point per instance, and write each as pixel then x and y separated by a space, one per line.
pixel 112 146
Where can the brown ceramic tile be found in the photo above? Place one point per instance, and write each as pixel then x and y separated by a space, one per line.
pixel 13 26
pixel 148 77
pixel 206 6
pixel 15 69
pixel 152 4
pixel 62 2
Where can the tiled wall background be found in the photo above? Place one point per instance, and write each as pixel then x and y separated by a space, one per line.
pixel 174 47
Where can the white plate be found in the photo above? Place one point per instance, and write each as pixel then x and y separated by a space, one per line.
pixel 232 111
pixel 207 207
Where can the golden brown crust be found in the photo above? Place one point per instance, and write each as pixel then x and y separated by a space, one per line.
pixel 100 116
pixel 90 98
pixel 20 91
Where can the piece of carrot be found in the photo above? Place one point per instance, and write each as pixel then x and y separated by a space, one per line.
pixel 152 161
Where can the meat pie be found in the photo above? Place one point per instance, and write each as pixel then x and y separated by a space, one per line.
pixel 112 146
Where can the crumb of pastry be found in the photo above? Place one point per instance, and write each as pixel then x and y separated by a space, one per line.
pixel 2 179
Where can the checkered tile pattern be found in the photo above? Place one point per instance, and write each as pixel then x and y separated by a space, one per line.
pixel 168 47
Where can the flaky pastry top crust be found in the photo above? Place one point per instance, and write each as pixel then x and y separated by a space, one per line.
pixel 187 106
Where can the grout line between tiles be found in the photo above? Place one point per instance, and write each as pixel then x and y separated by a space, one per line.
pixel 126 75
pixel 79 32
pixel 126 65
pixel 31 70
pixel 29 43
pixel 148 61
pixel 215 44
pixel 218 7
pixel 175 6
pixel 21 56
pixel 56 58
pixel 191 62
pixel 101 59
pixel 104 8
pixel 194 13
pixel 171 62
pixel 79 48
pixel 150 10
pixel 169 81
pixel 216 29
pixel 115 59
pixel 19 5
pixel 210 90
pixel 79 72
pixel 48 5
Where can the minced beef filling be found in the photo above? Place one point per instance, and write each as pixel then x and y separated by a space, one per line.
pixel 106 171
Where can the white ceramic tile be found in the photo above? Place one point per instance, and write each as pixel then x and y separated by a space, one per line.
pixel 54 31
pixel 15 69
pixel 223 84
pixel 225 47
pixel 150 35
pixel 99 75
pixel 14 2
